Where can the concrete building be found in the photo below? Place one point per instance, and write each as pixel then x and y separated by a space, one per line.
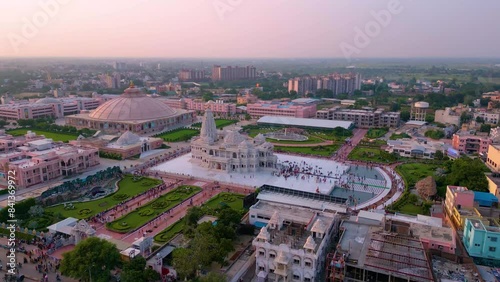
pixel 132 111
pixel 419 111
pixel 448 116
pixel 459 205
pixel 374 247
pixel 42 160
pixel 337 83
pixel 231 152
pixel 287 109
pixel 293 240
pixel 364 118
pixel 218 107
pixel 228 73
pixel 482 240
pixel 489 117
pixel 419 148
pixel 191 75
pixel 466 142
pixel 47 107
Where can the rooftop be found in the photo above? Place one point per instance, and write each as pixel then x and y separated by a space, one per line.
pixel 306 122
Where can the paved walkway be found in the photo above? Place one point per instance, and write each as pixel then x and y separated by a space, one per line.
pixel 345 150
pixel 28 269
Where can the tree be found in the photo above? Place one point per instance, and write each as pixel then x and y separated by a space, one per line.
pixel 36 211
pixel 207 96
pixel 184 262
pixel 405 115
pixel 93 257
pixel 485 128
pixel 213 277
pixel 480 120
pixel 439 155
pixel 360 103
pixel 395 107
pixel 468 173
pixel 2 123
pixel 136 271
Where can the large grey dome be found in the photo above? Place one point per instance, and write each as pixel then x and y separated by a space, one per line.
pixel 131 106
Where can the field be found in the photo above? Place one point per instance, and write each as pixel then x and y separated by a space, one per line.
pixel 371 155
pixel 324 151
pixel 376 132
pixel 234 201
pixel 56 136
pixel 411 209
pixel 395 136
pixel 219 123
pixel 127 188
pixel 179 135
pixel 414 172
pixel 146 213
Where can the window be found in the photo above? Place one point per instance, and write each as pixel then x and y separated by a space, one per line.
pixel 493 249
pixel 477 245
pixel 261 268
pixel 296 261
pixel 307 279
pixel 296 277
pixel 494 239
pixel 261 253
pixel 271 255
pixel 308 263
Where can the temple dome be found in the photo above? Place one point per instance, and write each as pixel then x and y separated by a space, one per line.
pixel 132 105
pixel 48 100
pixel 233 138
pixel 245 145
pixel 259 139
pixel 128 138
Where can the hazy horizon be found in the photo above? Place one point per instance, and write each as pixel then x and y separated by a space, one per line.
pixel 244 29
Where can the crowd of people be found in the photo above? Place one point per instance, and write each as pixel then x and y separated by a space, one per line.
pixel 305 171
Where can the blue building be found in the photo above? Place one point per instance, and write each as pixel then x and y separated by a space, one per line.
pixel 485 199
pixel 481 240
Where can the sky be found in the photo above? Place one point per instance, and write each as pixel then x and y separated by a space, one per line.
pixel 250 28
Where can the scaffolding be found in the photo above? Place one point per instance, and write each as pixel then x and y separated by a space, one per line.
pixel 335 267
pixel 402 256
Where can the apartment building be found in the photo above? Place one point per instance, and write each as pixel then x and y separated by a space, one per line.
pixel 191 75
pixel 482 239
pixel 363 118
pixel 466 142
pixel 228 73
pixel 337 83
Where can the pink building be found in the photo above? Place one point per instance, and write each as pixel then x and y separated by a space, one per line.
pixel 43 160
pixel 467 143
pixel 288 109
pixel 218 107
pixel 457 196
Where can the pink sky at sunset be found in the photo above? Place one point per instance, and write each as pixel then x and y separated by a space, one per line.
pixel 247 28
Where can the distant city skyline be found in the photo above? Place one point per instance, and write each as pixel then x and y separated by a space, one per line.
pixel 249 29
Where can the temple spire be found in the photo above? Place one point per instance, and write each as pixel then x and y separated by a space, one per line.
pixel 208 131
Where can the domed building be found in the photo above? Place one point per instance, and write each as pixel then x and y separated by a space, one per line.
pixel 133 111
pixel 230 151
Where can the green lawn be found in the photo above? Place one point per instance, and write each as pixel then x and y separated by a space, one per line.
pixel 316 151
pixel 168 233
pixel 311 140
pixel 127 188
pixel 414 172
pixel 376 132
pixel 395 136
pixel 219 123
pixel 371 155
pixel 411 209
pixel 234 201
pixel 179 135
pixel 56 136
pixel 146 213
